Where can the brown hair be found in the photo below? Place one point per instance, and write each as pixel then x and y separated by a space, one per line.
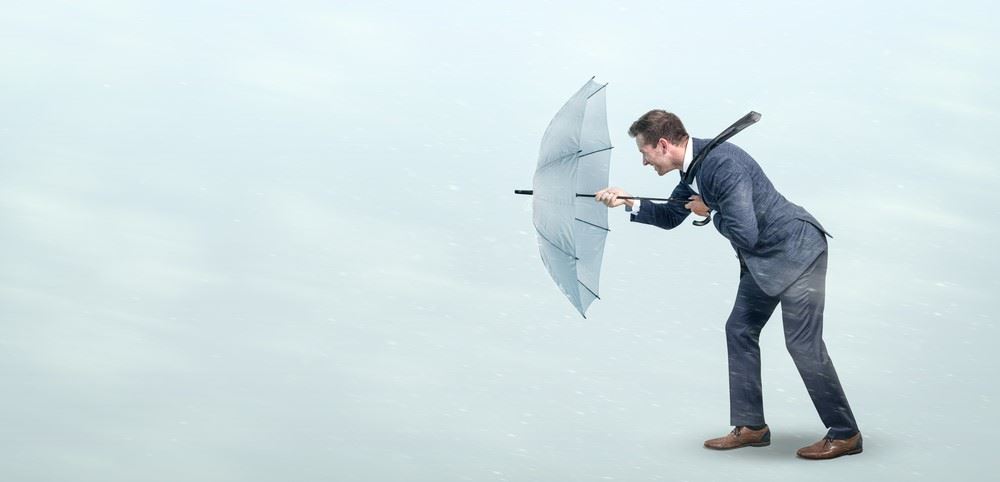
pixel 657 124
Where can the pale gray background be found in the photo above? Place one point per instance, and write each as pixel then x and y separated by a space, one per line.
pixel 270 241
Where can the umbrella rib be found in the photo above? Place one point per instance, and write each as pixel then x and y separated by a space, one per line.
pixel 553 162
pixel 556 160
pixel 540 235
pixel 596 91
pixel 588 289
pixel 595 152
pixel 592 224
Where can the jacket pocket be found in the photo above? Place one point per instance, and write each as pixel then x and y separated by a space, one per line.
pixel 815 223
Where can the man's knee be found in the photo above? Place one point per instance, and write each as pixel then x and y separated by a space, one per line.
pixel 806 351
pixel 738 329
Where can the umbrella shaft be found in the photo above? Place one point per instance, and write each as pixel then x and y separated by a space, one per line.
pixel 529 192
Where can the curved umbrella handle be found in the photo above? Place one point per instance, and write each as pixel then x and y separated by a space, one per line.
pixel 702 222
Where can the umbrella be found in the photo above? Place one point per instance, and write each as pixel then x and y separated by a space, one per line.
pixel 574 158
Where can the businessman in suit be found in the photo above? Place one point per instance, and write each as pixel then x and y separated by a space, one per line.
pixel 783 257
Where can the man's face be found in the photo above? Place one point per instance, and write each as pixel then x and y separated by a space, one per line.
pixel 654 155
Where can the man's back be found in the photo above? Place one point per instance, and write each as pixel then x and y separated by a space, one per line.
pixel 776 238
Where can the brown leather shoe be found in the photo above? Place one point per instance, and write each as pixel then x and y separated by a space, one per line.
pixel 829 448
pixel 741 437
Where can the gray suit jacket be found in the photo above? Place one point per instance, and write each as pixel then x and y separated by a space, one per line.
pixel 776 238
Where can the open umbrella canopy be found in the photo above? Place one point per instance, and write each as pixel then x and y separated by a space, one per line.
pixel 574 157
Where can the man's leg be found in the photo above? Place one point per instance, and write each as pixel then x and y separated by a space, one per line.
pixel 751 311
pixel 802 312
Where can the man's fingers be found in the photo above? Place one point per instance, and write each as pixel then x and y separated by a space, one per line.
pixel 609 196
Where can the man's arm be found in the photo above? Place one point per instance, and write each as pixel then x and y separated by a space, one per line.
pixel 733 190
pixel 666 215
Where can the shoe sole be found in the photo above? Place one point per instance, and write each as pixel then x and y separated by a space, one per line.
pixel 849 452
pixel 755 444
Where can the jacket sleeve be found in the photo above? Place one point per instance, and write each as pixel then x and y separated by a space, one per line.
pixel 733 190
pixel 666 215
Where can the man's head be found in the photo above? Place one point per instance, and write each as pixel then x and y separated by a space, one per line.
pixel 660 137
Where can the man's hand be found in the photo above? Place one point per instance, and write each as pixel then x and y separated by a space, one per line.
pixel 697 206
pixel 609 197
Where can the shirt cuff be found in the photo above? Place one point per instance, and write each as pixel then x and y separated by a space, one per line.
pixel 634 209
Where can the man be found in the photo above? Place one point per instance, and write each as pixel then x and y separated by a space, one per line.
pixel 783 256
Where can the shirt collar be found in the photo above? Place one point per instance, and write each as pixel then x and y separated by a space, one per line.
pixel 688 155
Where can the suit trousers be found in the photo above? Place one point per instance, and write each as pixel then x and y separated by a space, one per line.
pixel 802 314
